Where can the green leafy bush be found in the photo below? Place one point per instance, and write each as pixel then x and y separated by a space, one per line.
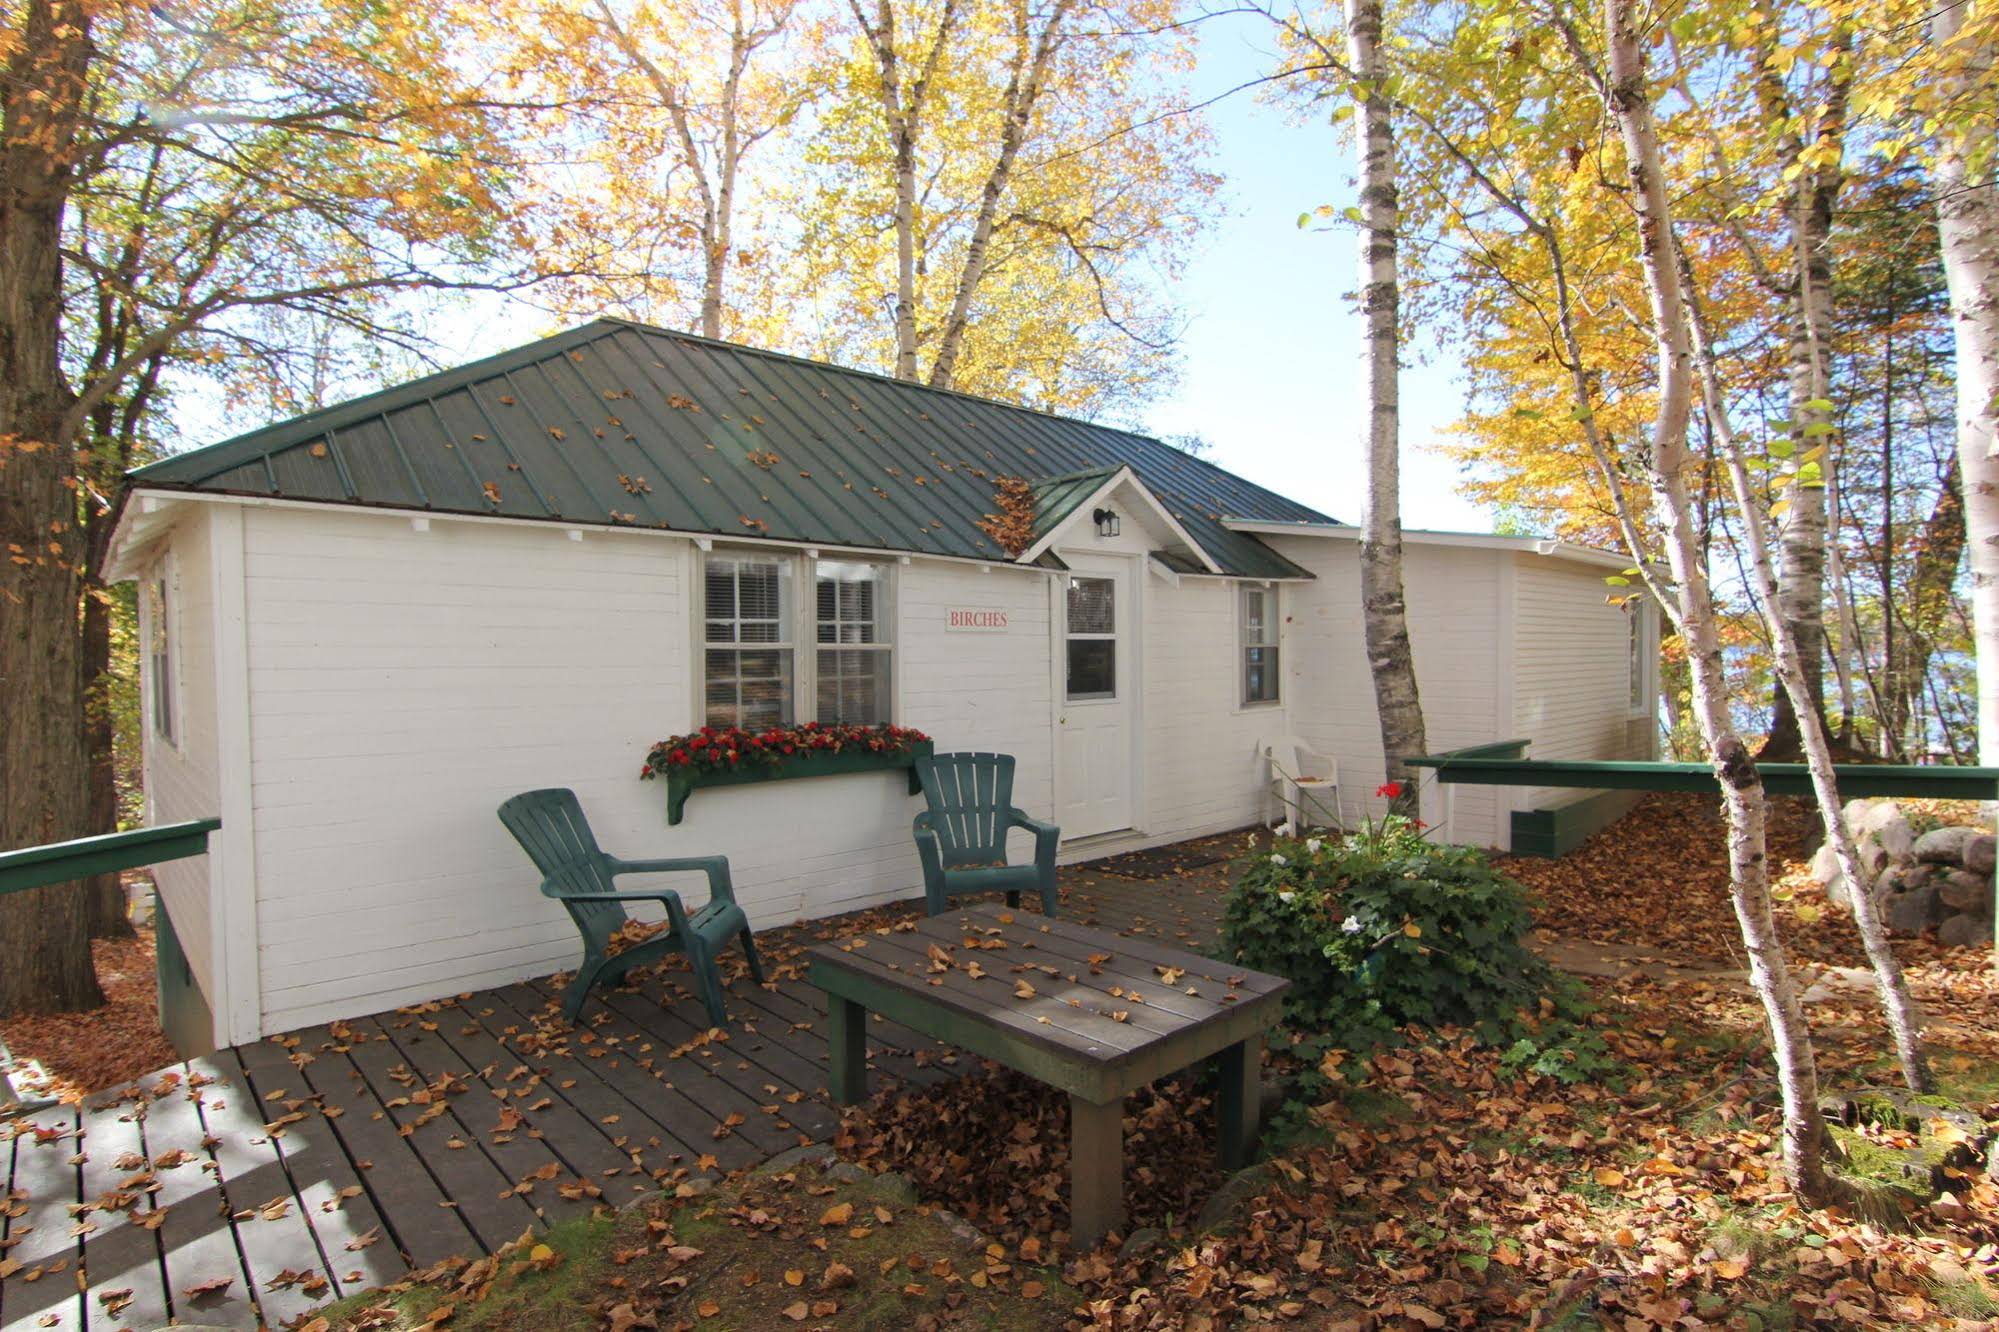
pixel 1382 929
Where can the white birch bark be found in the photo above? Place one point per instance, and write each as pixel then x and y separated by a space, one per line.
pixel 1741 785
pixel 1384 609
pixel 1904 1023
pixel 1028 76
pixel 1968 225
pixel 903 106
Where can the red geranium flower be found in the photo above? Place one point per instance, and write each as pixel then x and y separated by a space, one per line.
pixel 1389 790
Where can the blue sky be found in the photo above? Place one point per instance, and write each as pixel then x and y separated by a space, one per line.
pixel 1272 355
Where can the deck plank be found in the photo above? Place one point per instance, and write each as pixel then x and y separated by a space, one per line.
pixel 279 1250
pixel 40 1238
pixel 504 1131
pixel 196 1237
pixel 628 1070
pixel 719 1100
pixel 122 1258
pixel 345 1223
pixel 421 1223
pixel 482 1192
pixel 583 1144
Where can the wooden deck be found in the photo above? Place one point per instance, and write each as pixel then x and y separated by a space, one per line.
pixel 244 1188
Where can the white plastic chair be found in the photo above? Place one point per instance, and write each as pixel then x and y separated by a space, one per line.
pixel 1305 798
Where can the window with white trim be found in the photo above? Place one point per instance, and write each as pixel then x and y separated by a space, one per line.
pixel 1256 618
pixel 749 659
pixel 757 669
pixel 160 659
pixel 854 648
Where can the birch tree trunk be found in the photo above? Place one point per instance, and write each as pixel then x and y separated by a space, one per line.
pixel 1968 226
pixel 1029 74
pixel 1897 1006
pixel 1693 610
pixel 1384 609
pixel 902 116
pixel 1813 190
pixel 45 961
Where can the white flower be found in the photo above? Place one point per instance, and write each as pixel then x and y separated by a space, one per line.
pixel 1286 896
pixel 1276 859
pixel 1313 844
pixel 1351 925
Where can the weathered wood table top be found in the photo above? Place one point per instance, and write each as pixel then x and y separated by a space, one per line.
pixel 1091 1013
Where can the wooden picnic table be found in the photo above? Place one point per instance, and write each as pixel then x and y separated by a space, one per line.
pixel 1094 1014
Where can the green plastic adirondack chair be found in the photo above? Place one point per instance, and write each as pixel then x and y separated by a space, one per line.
pixel 550 827
pixel 961 838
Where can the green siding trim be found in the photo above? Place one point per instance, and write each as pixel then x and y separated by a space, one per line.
pixel 185 1018
pixel 1556 831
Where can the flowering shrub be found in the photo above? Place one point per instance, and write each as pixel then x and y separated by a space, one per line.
pixel 723 748
pixel 1381 929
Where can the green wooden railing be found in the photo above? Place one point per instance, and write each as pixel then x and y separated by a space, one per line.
pixel 60 862
pixel 64 862
pixel 1504 763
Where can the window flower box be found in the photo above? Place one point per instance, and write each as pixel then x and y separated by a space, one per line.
pixel 732 756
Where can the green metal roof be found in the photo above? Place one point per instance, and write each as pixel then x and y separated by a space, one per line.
pixel 622 423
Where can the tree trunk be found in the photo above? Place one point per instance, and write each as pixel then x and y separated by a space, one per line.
pixel 1741 784
pixel 1810 196
pixel 1896 1005
pixel 1023 91
pixel 1968 226
pixel 1384 610
pixel 110 914
pixel 45 962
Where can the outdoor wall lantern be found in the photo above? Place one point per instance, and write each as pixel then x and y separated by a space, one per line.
pixel 1107 523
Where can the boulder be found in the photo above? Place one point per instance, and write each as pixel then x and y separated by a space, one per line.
pixel 1910 912
pixel 1965 932
pixel 1825 866
pixel 1918 874
pixel 1945 846
pixel 1873 857
pixel 1981 854
pixel 1895 835
pixel 1961 890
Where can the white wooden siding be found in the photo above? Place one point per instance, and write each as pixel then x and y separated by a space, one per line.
pixel 182 779
pixel 404 683
pixel 1453 596
pixel 1203 770
pixel 1572 660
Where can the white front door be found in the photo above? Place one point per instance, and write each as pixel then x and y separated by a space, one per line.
pixel 1096 709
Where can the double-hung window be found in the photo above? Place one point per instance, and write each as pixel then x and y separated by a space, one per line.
pixel 853 638
pixel 755 671
pixel 160 659
pixel 749 659
pixel 1257 635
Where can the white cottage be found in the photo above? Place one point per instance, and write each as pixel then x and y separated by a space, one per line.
pixel 368 626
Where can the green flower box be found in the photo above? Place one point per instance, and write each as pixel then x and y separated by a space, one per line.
pixel 683 782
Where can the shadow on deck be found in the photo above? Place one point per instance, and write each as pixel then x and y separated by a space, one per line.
pixel 244 1188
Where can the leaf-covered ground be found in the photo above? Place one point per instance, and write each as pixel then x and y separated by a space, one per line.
pixel 121 1041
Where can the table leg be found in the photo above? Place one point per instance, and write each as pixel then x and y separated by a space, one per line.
pixel 1240 1103
pixel 1096 1170
pixel 847 1066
